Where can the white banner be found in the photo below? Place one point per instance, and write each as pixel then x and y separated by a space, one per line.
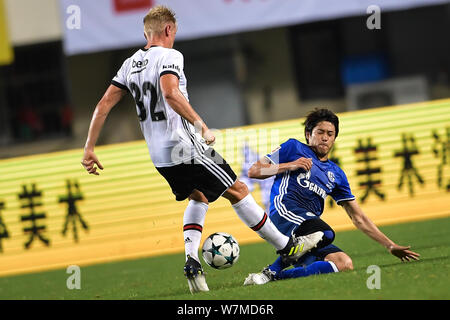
pixel 96 25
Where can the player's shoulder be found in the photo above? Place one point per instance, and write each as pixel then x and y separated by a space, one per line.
pixel 136 56
pixel 175 51
pixel 292 146
pixel 299 146
pixel 293 142
pixel 171 52
pixel 175 55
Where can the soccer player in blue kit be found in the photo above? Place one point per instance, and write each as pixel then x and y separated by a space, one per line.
pixel 304 178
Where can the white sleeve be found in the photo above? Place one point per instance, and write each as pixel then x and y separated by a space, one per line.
pixel 172 63
pixel 120 79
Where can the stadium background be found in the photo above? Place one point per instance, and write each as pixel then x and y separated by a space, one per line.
pixel 390 86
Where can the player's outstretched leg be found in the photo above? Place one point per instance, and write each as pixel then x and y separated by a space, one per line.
pixel 266 275
pixel 195 276
pixel 312 233
pixel 300 246
pixel 255 218
pixel 318 267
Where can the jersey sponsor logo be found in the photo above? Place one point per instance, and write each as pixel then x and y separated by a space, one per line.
pixel 172 66
pixel 303 181
pixel 139 64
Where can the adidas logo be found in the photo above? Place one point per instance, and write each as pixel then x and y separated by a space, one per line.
pixel 187 240
pixel 295 249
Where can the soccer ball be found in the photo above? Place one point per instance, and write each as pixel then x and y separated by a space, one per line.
pixel 220 250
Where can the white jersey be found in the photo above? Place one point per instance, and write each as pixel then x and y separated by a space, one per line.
pixel 171 140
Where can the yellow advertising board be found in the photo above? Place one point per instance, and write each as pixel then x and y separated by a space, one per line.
pixel 6 51
pixel 53 214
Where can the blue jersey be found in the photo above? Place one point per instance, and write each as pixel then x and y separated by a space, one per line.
pixel 302 193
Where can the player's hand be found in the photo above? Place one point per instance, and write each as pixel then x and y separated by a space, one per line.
pixel 209 137
pixel 301 163
pixel 89 161
pixel 403 253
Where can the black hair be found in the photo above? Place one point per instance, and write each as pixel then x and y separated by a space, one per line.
pixel 318 115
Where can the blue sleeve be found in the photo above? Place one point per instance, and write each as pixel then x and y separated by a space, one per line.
pixel 342 191
pixel 283 153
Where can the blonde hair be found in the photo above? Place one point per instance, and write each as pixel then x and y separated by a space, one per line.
pixel 157 18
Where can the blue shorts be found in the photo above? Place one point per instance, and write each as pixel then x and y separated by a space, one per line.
pixel 291 220
pixel 294 225
pixel 316 255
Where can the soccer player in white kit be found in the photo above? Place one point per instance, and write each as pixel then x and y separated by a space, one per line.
pixel 154 76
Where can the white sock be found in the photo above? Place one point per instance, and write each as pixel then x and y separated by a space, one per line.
pixel 254 217
pixel 193 220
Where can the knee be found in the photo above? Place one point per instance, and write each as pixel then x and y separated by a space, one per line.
pixel 241 188
pixel 345 264
pixel 237 192
pixel 328 237
pixel 342 261
pixel 198 196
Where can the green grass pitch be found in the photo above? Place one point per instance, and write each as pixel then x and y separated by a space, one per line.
pixel 162 278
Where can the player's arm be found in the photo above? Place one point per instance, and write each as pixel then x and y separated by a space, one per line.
pixel 170 89
pixel 111 97
pixel 263 168
pixel 363 223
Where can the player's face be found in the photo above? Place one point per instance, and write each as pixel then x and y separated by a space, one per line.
pixel 322 138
